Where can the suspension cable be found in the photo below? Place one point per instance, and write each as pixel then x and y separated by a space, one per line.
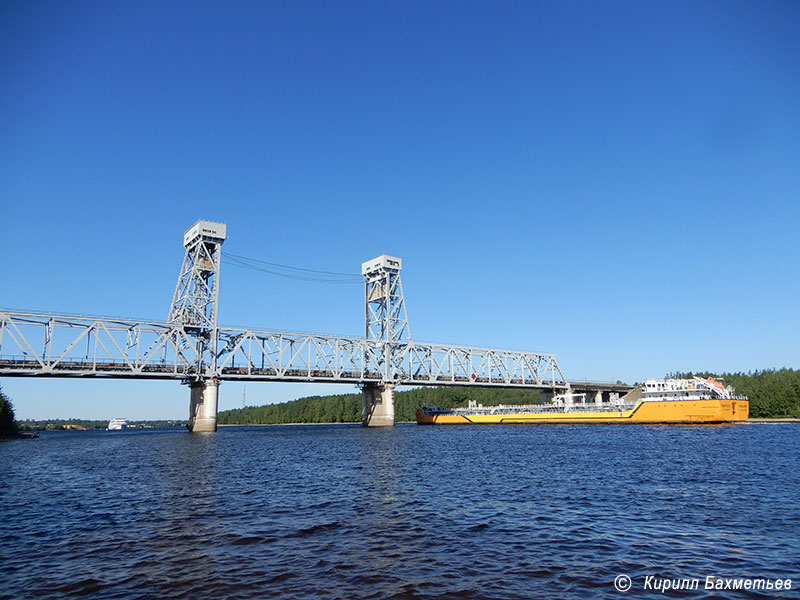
pixel 288 271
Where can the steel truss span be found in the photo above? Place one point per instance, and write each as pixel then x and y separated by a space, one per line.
pixel 64 345
pixel 50 345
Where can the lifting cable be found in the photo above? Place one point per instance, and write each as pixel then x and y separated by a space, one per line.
pixel 288 271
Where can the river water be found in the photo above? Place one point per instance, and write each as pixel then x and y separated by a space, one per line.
pixel 472 512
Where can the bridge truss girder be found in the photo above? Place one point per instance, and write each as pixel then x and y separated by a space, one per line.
pixel 65 345
pixel 35 344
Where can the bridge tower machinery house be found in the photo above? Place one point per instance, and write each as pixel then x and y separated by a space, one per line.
pixel 194 312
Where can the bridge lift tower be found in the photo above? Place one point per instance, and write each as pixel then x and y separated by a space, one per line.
pixel 194 309
pixel 386 326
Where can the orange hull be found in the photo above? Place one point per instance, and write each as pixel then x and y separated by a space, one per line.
pixel 682 411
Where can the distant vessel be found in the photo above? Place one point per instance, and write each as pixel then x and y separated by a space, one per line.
pixel 117 424
pixel 695 400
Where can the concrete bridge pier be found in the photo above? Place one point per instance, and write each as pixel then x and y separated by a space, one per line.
pixel 203 402
pixel 377 405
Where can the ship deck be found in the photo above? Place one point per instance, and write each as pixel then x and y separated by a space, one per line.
pixel 532 409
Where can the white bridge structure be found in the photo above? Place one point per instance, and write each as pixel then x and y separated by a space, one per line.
pixel 190 345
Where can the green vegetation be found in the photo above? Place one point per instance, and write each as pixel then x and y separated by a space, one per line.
pixel 346 408
pixel 773 393
pixel 7 425
pixel 59 424
pixel 343 408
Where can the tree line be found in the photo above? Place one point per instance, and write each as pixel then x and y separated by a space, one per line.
pixel 59 424
pixel 8 426
pixel 346 408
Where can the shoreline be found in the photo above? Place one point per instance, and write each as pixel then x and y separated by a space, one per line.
pixel 758 420
pixel 283 424
pixel 754 421
pixel 28 434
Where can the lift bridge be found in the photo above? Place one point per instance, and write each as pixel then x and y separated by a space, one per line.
pixel 190 346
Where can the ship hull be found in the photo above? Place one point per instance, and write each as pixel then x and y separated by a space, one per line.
pixel 685 411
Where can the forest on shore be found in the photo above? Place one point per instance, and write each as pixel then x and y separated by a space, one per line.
pixel 773 393
pixel 82 424
pixel 8 427
pixel 346 408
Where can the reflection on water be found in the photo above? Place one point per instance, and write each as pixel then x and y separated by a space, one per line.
pixel 181 519
pixel 410 512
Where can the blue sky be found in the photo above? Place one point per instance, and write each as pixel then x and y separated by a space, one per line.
pixel 617 183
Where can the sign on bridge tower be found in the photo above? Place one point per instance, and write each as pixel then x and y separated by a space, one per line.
pixel 387 329
pixel 195 309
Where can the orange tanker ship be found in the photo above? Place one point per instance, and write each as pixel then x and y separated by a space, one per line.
pixel 694 400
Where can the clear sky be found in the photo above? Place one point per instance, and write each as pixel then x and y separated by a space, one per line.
pixel 617 183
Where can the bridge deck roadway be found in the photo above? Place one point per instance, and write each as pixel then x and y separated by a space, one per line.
pixel 31 368
pixel 117 370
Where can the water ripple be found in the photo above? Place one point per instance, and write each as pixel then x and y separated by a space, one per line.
pixel 412 512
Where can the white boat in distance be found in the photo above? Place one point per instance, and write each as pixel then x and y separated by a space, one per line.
pixel 117 424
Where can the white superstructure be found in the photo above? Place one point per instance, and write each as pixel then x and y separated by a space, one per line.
pixel 696 388
pixel 205 229
pixel 117 424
